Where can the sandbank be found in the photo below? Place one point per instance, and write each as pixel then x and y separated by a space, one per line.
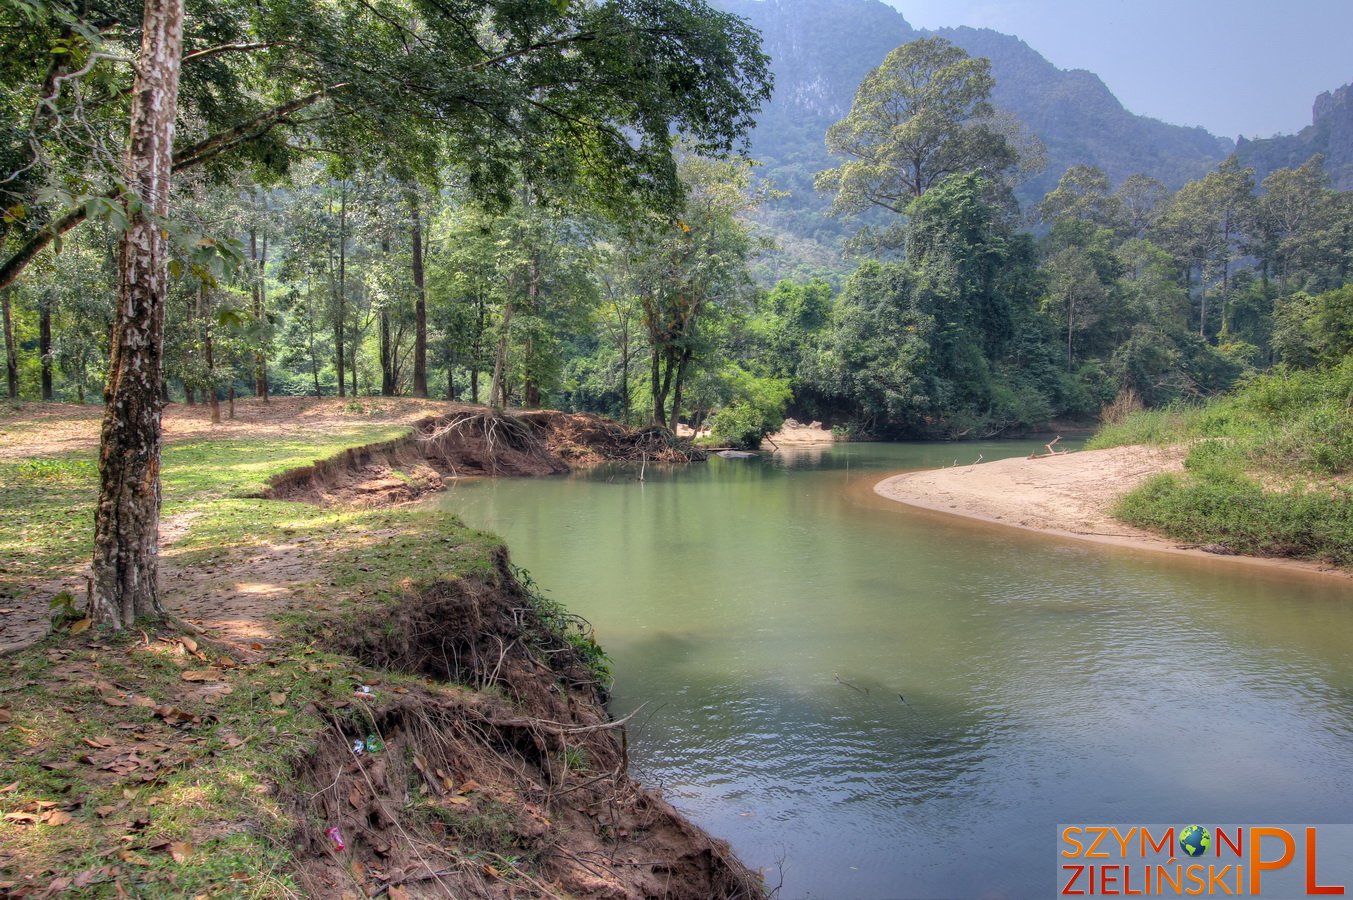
pixel 1066 494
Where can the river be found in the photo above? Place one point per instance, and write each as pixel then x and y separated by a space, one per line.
pixel 771 611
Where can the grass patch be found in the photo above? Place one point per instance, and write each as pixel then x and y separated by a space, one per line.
pixel 170 787
pixel 1268 470
pixel 117 775
pixel 48 527
pixel 48 523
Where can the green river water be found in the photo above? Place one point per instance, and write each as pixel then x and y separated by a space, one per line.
pixel 1046 680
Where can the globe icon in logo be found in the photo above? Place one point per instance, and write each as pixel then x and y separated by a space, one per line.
pixel 1195 840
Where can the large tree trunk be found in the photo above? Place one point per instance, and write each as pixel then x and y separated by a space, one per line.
pixel 260 298
pixel 498 386
pixel 127 520
pixel 214 400
pixel 531 389
pixel 340 311
pixel 45 348
pixel 11 357
pixel 387 355
pixel 677 388
pixel 420 309
pixel 659 400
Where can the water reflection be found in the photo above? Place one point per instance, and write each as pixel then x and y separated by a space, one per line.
pixel 1045 681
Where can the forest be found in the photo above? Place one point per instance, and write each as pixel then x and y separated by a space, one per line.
pixel 292 658
pixel 336 245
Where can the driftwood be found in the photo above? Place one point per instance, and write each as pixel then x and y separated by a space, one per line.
pixel 1051 451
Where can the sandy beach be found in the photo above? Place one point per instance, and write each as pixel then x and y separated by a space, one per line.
pixel 1068 494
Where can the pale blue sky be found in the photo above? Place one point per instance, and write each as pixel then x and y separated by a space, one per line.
pixel 1250 67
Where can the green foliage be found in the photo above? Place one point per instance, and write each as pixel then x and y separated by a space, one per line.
pixel 1218 507
pixel 917 119
pixel 1267 470
pixel 568 627
pixel 757 408
pixel 1311 331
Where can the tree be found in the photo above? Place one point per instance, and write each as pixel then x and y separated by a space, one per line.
pixel 569 93
pixel 1082 194
pixel 685 267
pixel 1141 197
pixel 921 116
pixel 1230 193
pixel 1075 291
pixel 127 520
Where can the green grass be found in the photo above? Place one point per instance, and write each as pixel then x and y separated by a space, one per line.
pixel 48 521
pixel 48 526
pixel 221 788
pixel 1269 469
pixel 216 789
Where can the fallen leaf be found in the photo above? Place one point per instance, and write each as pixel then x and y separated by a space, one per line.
pixel 458 800
pixel 104 811
pixel 58 817
pixel 5 716
pixel 99 743
pixel 470 785
pixel 201 675
pixel 398 892
pixel 277 698
pixel 172 715
pixel 188 644
pixel 180 851
pixel 135 859
pixel 9 787
pixel 81 625
pixel 114 701
pixel 21 817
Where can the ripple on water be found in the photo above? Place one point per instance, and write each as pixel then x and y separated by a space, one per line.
pixel 1045 682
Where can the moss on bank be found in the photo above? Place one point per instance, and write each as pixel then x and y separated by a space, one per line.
pixel 1269 469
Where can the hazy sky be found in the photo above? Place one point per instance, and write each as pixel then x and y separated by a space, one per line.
pixel 1236 67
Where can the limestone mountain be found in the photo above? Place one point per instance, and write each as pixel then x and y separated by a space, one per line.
pixel 1329 134
pixel 822 49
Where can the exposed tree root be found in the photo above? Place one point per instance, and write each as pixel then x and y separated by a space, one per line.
pixel 518 790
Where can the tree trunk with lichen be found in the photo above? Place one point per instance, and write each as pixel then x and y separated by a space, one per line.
pixel 127 520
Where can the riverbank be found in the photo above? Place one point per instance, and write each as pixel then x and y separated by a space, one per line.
pixel 371 698
pixel 1066 494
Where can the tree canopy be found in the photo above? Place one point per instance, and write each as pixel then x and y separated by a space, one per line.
pixel 921 116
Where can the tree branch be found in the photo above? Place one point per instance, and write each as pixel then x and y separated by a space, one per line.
pixel 199 153
pixel 226 48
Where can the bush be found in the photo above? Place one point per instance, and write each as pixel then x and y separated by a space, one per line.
pixel 1264 469
pixel 757 409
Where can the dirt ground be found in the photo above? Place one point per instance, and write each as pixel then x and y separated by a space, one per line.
pixel 235 600
pixel 45 429
pixel 1067 494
